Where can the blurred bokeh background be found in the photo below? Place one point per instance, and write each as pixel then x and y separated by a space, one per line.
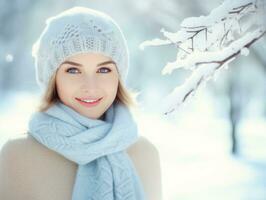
pixel 213 148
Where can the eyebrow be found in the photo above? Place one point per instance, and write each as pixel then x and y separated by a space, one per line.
pixel 80 65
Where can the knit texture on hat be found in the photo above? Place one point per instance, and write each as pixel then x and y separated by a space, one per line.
pixel 78 30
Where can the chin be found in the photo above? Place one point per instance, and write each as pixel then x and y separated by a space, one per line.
pixel 95 117
pixel 92 115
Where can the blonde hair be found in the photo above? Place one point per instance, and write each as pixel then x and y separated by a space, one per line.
pixel 50 97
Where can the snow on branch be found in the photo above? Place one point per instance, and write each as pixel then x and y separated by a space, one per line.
pixel 207 44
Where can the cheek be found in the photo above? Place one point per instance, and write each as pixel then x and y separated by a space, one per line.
pixel 109 87
pixel 110 84
pixel 64 87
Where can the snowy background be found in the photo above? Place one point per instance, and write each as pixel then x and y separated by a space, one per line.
pixel 195 144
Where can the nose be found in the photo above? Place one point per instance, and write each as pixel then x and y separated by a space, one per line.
pixel 89 83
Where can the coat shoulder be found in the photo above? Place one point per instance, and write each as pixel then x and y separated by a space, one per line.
pixel 25 150
pixel 13 164
pixel 15 145
pixel 146 159
pixel 20 145
pixel 142 145
pixel 25 165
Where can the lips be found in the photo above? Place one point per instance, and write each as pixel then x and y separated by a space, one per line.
pixel 88 98
pixel 89 104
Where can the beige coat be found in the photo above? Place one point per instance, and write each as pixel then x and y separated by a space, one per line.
pixel 30 171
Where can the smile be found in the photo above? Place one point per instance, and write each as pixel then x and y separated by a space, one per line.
pixel 89 103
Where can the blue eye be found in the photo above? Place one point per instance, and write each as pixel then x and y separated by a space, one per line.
pixel 71 69
pixel 107 70
pixel 74 70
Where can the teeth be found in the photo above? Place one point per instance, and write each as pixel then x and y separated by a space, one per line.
pixel 89 101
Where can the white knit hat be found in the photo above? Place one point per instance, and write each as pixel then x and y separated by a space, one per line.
pixel 78 30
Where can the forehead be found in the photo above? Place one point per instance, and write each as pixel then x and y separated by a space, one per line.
pixel 89 57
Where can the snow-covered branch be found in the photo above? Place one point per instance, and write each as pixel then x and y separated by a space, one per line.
pixel 206 44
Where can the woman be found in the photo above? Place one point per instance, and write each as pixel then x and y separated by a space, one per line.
pixel 83 142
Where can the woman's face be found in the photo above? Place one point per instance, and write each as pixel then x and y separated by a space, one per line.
pixel 87 77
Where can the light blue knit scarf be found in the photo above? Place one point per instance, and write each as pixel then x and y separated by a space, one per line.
pixel 98 146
